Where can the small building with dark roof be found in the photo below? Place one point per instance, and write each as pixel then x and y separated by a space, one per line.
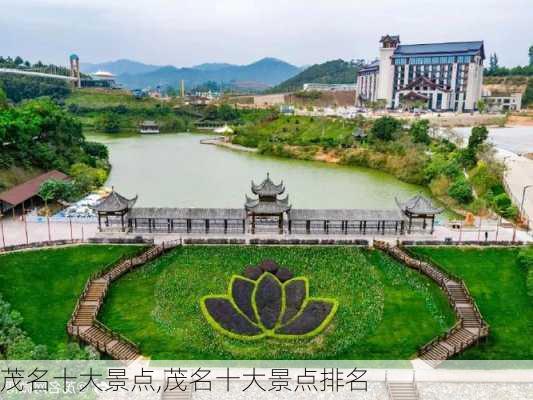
pixel 267 204
pixel 26 194
pixel 112 208
pixel 419 207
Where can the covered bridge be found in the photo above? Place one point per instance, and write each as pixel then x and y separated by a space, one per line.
pixel 346 221
pixel 187 220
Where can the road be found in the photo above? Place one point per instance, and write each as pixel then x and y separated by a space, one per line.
pixel 510 144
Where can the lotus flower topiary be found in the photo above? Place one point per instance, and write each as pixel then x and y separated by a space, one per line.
pixel 268 302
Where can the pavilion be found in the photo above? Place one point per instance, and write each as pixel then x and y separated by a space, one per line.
pixel 113 206
pixel 419 208
pixel 267 205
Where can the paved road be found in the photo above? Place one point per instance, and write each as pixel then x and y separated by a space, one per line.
pixel 510 143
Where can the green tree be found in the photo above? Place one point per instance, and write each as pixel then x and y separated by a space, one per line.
pixel 419 131
pixel 384 128
pixel 3 99
pixel 481 105
pixel 109 123
pixel 478 136
pixel 461 191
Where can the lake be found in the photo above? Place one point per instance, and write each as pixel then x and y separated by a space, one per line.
pixel 175 170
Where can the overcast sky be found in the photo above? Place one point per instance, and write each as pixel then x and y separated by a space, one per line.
pixel 189 32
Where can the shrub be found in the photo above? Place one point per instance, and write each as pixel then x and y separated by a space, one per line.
pixel 385 128
pixel 419 131
pixel 461 191
pixel 477 137
pixel 440 185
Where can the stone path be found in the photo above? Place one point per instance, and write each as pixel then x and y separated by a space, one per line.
pixel 402 391
pixel 83 323
pixel 470 327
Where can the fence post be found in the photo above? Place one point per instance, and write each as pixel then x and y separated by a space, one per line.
pixel 3 234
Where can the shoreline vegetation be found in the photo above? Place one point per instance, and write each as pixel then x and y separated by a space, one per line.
pixel 464 179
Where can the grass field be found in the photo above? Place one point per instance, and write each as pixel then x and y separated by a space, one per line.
pixel 498 285
pixel 44 285
pixel 296 130
pixel 100 98
pixel 385 310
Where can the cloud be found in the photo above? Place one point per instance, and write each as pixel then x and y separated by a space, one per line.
pixel 188 32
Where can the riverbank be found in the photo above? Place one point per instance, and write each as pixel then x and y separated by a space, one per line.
pixel 464 178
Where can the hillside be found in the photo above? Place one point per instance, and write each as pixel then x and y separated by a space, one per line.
pixel 268 71
pixel 119 67
pixel 335 71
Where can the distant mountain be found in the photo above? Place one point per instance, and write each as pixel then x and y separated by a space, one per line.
pixel 266 72
pixel 336 71
pixel 119 67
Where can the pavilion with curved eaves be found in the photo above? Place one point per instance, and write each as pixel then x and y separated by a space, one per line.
pixel 113 207
pixel 267 205
pixel 419 207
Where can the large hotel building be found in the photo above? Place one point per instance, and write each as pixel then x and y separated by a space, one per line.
pixel 445 76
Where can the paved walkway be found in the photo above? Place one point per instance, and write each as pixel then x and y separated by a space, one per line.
pixel 519 173
pixel 14 233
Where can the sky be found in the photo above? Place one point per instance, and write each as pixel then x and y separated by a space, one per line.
pixel 302 32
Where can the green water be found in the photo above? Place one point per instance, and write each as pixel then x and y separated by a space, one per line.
pixel 175 170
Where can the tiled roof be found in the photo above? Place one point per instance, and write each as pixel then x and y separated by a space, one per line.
pixel 345 215
pixel 28 189
pixel 267 207
pixel 268 188
pixel 467 48
pixel 115 202
pixel 418 205
pixel 187 213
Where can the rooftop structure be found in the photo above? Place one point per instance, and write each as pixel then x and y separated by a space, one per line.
pixel 114 205
pixel 27 191
pixel 149 127
pixel 419 207
pixel 267 204
pixel 444 76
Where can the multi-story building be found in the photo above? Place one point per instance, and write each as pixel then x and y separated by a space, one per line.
pixel 443 76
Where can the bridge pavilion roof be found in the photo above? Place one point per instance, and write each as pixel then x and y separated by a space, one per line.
pixel 418 205
pixel 259 207
pixel 268 188
pixel 115 202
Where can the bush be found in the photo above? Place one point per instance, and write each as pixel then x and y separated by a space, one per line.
pixel 419 131
pixel 461 191
pixel 477 137
pixel 385 128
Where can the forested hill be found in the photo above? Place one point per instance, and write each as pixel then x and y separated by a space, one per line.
pixel 335 71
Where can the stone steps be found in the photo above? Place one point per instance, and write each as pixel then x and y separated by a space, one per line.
pixel 402 391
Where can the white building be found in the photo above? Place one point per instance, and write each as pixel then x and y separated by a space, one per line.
pixel 445 76
pixel 502 102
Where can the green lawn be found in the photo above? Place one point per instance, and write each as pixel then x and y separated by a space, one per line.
pixel 99 98
pixel 295 130
pixel 498 285
pixel 386 311
pixel 44 285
